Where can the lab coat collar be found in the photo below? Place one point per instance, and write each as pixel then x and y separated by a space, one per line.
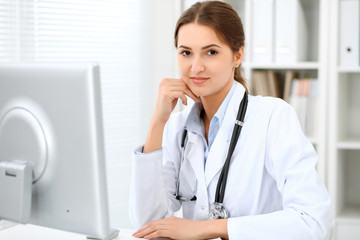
pixel 218 152
pixel 194 122
pixel 217 155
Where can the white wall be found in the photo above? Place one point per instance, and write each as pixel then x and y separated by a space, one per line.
pixel 163 53
pixel 161 63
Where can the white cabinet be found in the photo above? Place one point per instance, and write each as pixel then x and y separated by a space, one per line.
pixel 315 58
pixel 344 124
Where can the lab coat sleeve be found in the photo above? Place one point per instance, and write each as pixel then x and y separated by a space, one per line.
pixel 153 182
pixel 290 160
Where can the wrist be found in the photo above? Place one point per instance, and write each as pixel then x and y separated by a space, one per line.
pixel 214 229
pixel 157 122
pixel 154 137
pixel 159 117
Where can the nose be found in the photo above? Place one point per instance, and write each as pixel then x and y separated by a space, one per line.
pixel 197 65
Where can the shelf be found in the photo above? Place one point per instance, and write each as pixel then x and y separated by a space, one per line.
pixel 348 113
pixel 350 214
pixel 349 144
pixel 293 66
pixel 348 195
pixel 349 69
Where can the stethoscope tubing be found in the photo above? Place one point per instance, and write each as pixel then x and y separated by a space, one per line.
pixel 221 185
pixel 220 188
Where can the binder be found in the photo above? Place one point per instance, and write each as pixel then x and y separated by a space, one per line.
pixel 297 100
pixel 349 29
pixel 304 97
pixel 290 32
pixel 262 49
pixel 312 108
pixel 289 77
pixel 266 83
pixel 275 86
pixel 259 83
pixel 253 84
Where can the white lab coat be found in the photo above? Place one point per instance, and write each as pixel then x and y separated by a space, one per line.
pixel 273 190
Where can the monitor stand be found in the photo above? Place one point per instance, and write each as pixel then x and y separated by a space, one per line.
pixel 114 234
pixel 4 224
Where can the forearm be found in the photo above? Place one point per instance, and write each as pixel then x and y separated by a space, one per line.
pixel 213 229
pixel 154 137
pixel 282 225
pixel 148 199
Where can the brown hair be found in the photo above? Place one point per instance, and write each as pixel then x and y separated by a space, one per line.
pixel 223 19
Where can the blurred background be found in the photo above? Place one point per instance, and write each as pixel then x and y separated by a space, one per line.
pixel 304 51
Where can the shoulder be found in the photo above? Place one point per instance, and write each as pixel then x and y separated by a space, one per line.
pixel 278 120
pixel 268 107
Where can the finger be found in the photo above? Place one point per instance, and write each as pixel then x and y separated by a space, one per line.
pixel 181 95
pixel 189 93
pixel 140 230
pixel 180 85
pixel 144 232
pixel 176 81
pixel 184 100
pixel 169 86
pixel 149 227
pixel 173 82
pixel 157 234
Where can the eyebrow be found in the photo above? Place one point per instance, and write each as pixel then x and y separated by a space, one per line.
pixel 205 47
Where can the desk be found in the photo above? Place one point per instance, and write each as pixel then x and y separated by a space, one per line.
pixel 33 232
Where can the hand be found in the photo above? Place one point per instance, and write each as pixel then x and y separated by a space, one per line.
pixel 172 227
pixel 170 90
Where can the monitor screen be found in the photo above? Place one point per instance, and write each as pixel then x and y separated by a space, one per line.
pixel 50 117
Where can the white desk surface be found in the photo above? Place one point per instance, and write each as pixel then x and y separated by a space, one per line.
pixel 33 232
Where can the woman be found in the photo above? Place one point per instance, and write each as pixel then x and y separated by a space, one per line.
pixel 271 189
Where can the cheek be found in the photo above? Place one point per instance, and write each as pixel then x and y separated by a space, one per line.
pixel 180 65
pixel 183 67
pixel 224 67
pixel 216 69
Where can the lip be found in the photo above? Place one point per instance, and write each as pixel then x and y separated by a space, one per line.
pixel 199 80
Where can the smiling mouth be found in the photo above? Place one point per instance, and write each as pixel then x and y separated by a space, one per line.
pixel 199 80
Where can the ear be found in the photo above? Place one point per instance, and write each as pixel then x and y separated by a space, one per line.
pixel 238 57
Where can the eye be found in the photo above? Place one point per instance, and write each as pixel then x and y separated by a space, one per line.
pixel 185 53
pixel 212 52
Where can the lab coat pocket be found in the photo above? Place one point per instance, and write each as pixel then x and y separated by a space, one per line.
pixel 188 182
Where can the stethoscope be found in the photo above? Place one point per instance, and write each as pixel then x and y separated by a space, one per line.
pixel 219 210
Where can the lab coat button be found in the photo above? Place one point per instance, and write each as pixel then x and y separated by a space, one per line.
pixel 202 207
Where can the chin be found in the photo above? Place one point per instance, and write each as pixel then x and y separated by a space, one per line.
pixel 197 92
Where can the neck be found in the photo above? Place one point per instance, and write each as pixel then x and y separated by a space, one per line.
pixel 212 102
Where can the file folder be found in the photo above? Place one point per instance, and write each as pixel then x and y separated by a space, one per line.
pixel 262 49
pixel 290 32
pixel 349 30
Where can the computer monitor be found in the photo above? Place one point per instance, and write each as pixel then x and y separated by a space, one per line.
pixel 51 119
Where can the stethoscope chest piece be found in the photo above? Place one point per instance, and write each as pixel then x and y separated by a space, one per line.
pixel 218 212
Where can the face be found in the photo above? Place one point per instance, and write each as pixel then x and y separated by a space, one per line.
pixel 206 63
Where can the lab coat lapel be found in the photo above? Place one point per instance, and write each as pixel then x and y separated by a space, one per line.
pixel 219 149
pixel 195 156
